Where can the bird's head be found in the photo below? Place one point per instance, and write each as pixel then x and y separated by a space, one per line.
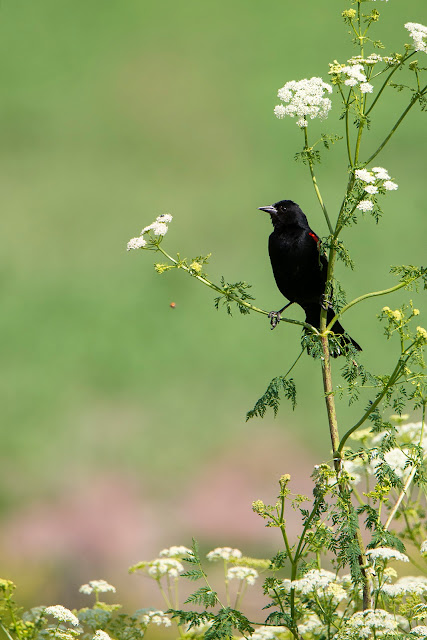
pixel 285 213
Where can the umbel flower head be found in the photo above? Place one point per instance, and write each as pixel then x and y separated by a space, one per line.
pixel 418 33
pixel 159 228
pixel 304 99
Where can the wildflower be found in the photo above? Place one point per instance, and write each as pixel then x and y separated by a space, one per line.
pixel 243 573
pixel 418 33
pixel 371 188
pixel 389 185
pixel 101 635
pixel 336 591
pixel 155 616
pixel 416 312
pixel 364 175
pixel 313 580
pixel 420 631
pixel 196 266
pixel 364 623
pixel 62 614
pixel 175 552
pixel 305 99
pixel 349 13
pixel 422 333
pixel 424 548
pixel 366 87
pixel 226 553
pixel 380 173
pixel 416 585
pixel 268 633
pixel 162 566
pixel 353 468
pixel 136 243
pixel 365 205
pixel 386 553
pixel 159 226
pixel 354 73
pixel 97 586
pixel 312 624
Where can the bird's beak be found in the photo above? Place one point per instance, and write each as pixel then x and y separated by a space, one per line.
pixel 269 209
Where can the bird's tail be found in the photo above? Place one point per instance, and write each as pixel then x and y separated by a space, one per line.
pixel 312 313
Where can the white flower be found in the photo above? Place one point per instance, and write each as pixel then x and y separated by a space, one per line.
pixel 365 87
pixel 136 243
pixel 305 100
pixel 420 631
pixel 268 633
pixel 97 586
pixel 313 580
pixel 390 186
pixel 354 468
pixel 312 624
pixel 164 217
pixel 386 553
pixel 101 635
pixel 371 188
pixel 364 175
pixel 381 173
pixel 175 552
pixel 226 553
pixel 418 33
pixel 155 617
pixel 354 74
pixel 364 623
pixel 61 613
pixel 162 566
pixel 396 459
pixel 424 548
pixel 243 573
pixel 336 592
pixel 159 228
pixel 365 205
pixel 416 585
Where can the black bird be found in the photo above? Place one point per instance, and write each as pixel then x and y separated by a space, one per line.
pixel 299 267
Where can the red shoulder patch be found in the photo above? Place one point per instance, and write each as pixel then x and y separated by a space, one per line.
pixel 313 235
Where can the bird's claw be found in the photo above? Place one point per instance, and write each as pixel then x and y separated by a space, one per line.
pixel 275 318
pixel 325 303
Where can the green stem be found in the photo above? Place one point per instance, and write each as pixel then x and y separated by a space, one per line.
pixel 415 98
pixel 316 188
pixel 365 296
pixel 386 81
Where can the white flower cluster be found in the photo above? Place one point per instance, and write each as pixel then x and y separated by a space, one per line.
pixel 418 33
pixel 375 180
pixel 159 227
pixel 424 548
pixel 415 585
pixel 386 553
pixel 164 566
pixel 269 633
pixel 97 586
pixel 243 573
pixel 224 553
pixel 420 631
pixel 364 624
pixel 175 552
pixel 62 614
pixel 353 73
pixel 155 616
pixel 101 635
pixel 304 99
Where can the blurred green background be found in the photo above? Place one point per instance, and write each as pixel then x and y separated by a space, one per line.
pixel 123 420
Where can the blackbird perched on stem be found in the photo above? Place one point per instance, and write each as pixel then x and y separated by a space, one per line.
pixel 299 267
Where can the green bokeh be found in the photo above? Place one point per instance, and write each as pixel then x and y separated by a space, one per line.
pixel 112 113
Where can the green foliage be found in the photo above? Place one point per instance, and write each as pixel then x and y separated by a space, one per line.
pixel 234 293
pixel 271 397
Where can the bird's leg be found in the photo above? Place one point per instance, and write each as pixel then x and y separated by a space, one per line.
pixel 275 316
pixel 324 302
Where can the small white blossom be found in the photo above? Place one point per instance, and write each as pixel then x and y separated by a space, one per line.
pixel 354 468
pixel 364 623
pixel 371 188
pixel 312 624
pixel 418 33
pixel 365 87
pixel 243 573
pixel 305 100
pixel 224 553
pixel 101 635
pixel 396 459
pixel 416 585
pixel 164 217
pixel 97 586
pixel 424 548
pixel 313 580
pixel 268 633
pixel 364 175
pixel 62 614
pixel 354 74
pixel 175 552
pixel 386 553
pixel 159 228
pixel 136 243
pixel 389 185
pixel 380 173
pixel 162 566
pixel 365 205
pixel 420 631
pixel 155 617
